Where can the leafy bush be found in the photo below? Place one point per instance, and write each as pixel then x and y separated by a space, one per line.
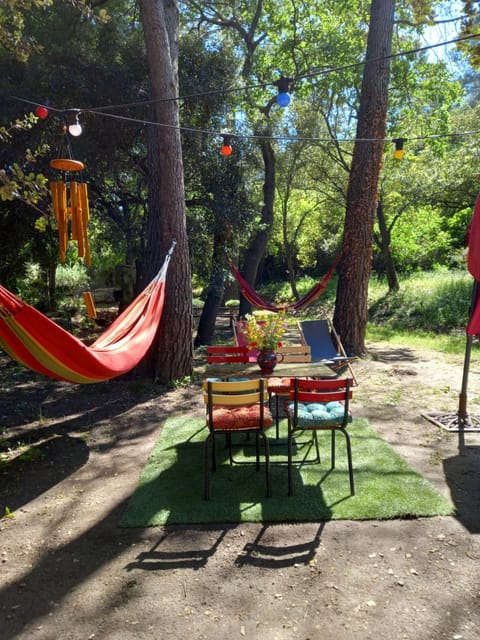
pixel 420 241
pixel 431 301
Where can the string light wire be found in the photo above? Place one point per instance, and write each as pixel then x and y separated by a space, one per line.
pixel 103 111
pixel 264 85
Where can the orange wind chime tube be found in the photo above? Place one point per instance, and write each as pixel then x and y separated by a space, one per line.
pixel 71 210
pixel 90 304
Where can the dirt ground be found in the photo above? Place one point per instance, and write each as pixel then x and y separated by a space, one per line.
pixel 68 572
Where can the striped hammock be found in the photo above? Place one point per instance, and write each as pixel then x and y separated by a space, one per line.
pixel 257 301
pixel 37 342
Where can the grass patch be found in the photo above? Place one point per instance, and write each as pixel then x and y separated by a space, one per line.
pixel 443 343
pixel 170 489
pixel 432 302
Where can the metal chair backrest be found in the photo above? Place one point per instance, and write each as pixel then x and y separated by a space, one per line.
pixel 295 353
pixel 242 393
pixel 226 353
pixel 235 393
pixel 306 390
pixel 317 334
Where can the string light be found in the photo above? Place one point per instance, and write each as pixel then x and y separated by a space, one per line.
pixel 283 86
pixel 226 149
pixel 399 152
pixel 73 123
pixel 41 112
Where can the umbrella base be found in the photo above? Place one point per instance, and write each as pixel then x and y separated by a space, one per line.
pixel 454 423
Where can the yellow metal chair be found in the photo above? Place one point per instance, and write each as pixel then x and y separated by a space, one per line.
pixel 234 407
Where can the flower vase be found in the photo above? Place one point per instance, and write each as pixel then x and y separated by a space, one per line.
pixel 267 361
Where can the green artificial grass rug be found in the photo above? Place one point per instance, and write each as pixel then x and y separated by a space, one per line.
pixel 170 489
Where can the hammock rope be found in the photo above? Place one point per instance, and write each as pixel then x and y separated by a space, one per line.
pixel 257 301
pixel 37 342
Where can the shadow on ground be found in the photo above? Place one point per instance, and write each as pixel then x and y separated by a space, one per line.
pixel 462 473
pixel 41 467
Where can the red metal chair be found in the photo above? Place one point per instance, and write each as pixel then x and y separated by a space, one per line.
pixel 226 353
pixel 319 405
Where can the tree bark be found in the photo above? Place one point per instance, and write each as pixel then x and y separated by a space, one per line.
pixel 216 286
pixel 171 355
pixel 384 243
pixel 351 309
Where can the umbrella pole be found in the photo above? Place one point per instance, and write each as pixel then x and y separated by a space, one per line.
pixel 462 404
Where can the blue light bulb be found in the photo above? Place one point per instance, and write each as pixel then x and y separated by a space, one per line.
pixel 283 99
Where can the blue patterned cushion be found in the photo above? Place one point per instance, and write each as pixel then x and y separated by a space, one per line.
pixel 323 414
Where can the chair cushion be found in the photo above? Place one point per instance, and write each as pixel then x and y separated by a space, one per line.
pixel 238 418
pixel 279 385
pixel 323 414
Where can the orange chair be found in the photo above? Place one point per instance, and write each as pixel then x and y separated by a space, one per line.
pixel 319 405
pixel 280 387
pixel 234 407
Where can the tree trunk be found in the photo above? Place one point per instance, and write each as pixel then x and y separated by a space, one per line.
pixel 171 355
pixel 208 318
pixel 384 244
pixel 52 285
pixel 258 244
pixel 351 309
pixel 216 285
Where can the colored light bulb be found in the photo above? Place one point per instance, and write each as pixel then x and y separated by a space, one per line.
pixel 399 152
pixel 226 148
pixel 41 112
pixel 283 99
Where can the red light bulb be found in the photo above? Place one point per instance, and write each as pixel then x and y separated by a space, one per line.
pixel 226 150
pixel 41 112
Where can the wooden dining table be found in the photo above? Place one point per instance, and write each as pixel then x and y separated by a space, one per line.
pixel 282 370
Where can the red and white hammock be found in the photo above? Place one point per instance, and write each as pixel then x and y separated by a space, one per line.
pixel 257 301
pixel 34 340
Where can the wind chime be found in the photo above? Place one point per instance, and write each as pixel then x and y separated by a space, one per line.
pixel 70 196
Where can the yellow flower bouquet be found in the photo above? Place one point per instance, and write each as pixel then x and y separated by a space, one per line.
pixel 263 330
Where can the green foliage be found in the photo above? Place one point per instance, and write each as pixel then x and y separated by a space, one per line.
pixel 180 383
pixel 90 62
pixel 72 277
pixel 436 302
pixel 419 240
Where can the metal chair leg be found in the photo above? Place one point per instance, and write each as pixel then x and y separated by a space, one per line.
pixel 289 460
pixel 207 464
pixel 350 463
pixel 230 450
pixel 277 426
pixel 267 465
pixel 317 448
pixel 332 458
